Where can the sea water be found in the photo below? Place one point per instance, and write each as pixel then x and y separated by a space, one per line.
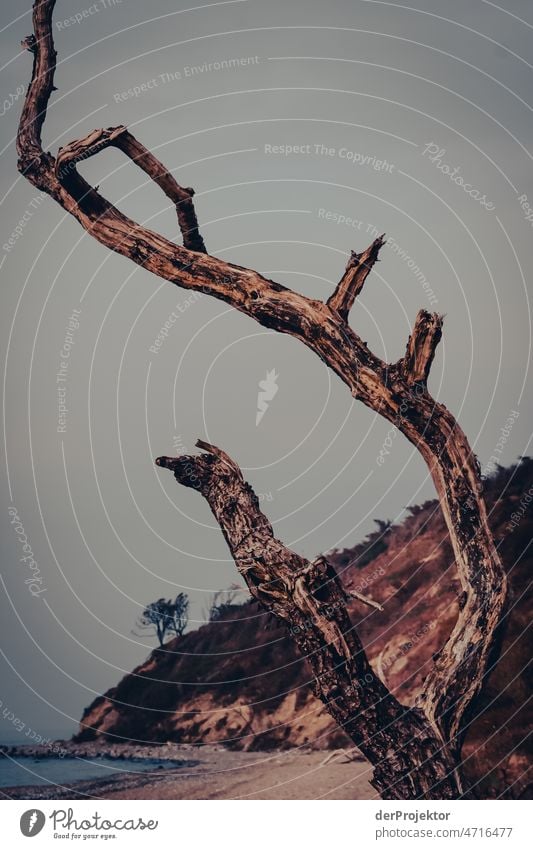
pixel 18 771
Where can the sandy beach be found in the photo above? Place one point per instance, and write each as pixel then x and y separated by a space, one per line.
pixel 212 772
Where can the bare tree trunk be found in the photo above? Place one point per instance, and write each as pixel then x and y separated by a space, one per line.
pixel 390 735
pixel 409 758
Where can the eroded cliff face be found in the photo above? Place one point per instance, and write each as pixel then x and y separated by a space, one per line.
pixel 240 681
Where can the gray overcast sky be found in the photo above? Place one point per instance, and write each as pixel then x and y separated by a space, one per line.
pixel 363 89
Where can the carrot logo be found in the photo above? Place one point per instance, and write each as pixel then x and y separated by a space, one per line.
pixel 267 390
pixel 32 822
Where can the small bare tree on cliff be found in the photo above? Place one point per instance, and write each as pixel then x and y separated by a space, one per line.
pixel 165 617
pixel 415 752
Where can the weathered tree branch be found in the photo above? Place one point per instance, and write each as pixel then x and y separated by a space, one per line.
pixel 409 758
pixel 119 137
pixel 398 392
pixel 421 347
pixel 352 281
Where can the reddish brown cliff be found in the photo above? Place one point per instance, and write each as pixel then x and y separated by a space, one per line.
pixel 240 680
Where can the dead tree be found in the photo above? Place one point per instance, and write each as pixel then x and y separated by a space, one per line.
pixel 415 752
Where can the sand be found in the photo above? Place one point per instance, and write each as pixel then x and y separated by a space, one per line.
pixel 216 773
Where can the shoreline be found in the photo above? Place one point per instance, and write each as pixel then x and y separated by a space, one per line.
pixel 203 772
pixel 60 749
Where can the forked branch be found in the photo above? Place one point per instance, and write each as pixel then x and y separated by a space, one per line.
pixel 121 138
pixel 387 389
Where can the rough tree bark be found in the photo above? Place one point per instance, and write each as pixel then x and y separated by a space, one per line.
pixel 420 745
pixel 409 759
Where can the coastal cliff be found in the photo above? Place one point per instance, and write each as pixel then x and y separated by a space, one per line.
pixel 240 681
